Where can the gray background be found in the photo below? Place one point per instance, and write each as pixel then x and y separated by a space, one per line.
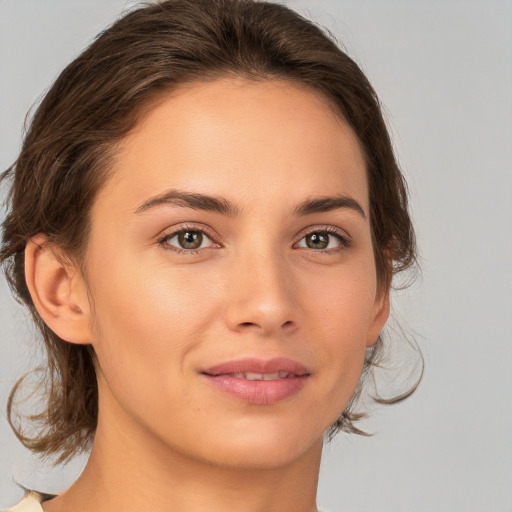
pixel 443 70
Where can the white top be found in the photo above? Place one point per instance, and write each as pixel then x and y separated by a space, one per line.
pixel 30 503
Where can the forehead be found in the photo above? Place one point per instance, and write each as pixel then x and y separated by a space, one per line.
pixel 235 137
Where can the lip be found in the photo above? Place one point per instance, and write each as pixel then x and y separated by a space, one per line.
pixel 277 364
pixel 259 392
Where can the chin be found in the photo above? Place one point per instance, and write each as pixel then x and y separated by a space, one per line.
pixel 269 448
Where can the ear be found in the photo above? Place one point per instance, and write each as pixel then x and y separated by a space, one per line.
pixel 58 290
pixel 380 314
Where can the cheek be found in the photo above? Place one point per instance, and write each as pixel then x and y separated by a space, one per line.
pixel 341 308
pixel 343 300
pixel 137 295
pixel 147 319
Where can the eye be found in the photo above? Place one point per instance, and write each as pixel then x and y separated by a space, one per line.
pixel 323 240
pixel 187 240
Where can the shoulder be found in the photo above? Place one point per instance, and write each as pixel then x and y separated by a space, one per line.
pixel 30 503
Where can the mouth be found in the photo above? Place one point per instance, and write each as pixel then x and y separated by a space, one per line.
pixel 256 381
pixel 263 376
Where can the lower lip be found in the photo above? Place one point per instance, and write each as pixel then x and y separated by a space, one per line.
pixel 259 392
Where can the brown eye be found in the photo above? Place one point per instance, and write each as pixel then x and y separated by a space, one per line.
pixel 190 239
pixel 323 240
pixel 187 240
pixel 317 240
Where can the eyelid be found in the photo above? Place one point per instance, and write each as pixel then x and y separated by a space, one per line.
pixel 344 238
pixel 172 231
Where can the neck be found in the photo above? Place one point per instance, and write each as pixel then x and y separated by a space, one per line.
pixel 130 471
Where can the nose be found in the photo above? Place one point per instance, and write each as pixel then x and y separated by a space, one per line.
pixel 261 295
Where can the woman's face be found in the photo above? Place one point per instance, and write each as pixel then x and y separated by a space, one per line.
pixel 231 272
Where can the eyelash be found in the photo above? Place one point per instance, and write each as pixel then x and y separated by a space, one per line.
pixel 164 239
pixel 344 240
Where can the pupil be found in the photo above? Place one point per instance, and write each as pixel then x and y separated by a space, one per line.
pixel 317 241
pixel 190 239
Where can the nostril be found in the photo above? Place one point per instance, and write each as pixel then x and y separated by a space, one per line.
pixel 249 325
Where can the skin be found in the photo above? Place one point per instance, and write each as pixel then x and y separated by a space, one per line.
pixel 167 439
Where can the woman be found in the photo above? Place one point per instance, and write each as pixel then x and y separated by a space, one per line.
pixel 205 219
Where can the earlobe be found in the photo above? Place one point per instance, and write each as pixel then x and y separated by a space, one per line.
pixel 380 315
pixel 57 290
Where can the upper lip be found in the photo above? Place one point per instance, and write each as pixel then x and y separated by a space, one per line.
pixel 254 365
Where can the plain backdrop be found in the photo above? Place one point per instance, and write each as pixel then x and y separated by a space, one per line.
pixel 443 70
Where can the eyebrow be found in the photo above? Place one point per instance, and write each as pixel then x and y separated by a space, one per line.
pixel 221 205
pixel 328 203
pixel 190 200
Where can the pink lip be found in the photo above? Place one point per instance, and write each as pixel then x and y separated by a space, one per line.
pixel 254 365
pixel 260 392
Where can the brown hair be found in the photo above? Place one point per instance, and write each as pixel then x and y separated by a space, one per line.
pixel 97 100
